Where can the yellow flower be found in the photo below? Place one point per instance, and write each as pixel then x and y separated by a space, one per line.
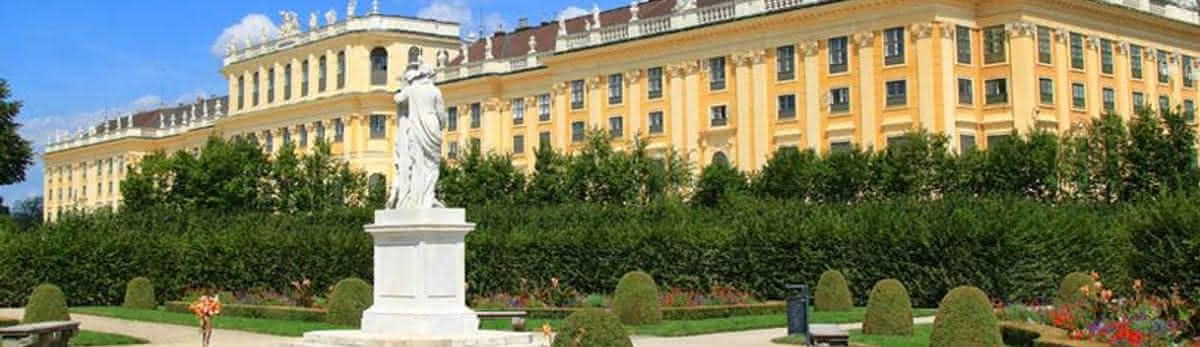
pixel 547 331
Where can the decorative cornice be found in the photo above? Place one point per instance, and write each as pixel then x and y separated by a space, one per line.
pixel 1020 29
pixel 809 47
pixel 691 66
pixel 493 104
pixel 560 88
pixel 921 31
pixel 632 76
pixel 594 82
pixel 945 29
pixel 751 57
pixel 1093 42
pixel 1121 47
pixel 1061 34
pixel 863 39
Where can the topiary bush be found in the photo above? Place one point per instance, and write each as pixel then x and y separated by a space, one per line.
pixel 636 300
pixel 46 304
pixel 889 310
pixel 139 294
pixel 833 293
pixel 592 327
pixel 1068 289
pixel 349 299
pixel 965 319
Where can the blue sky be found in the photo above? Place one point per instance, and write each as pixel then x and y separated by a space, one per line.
pixel 72 62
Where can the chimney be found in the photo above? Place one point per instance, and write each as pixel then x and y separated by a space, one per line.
pixel 522 23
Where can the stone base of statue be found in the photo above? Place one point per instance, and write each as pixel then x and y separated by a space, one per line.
pixel 420 287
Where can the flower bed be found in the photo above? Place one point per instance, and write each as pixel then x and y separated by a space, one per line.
pixel 1098 316
pixel 259 311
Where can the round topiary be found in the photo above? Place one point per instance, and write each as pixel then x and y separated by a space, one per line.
pixel 636 299
pixel 46 304
pixel 965 319
pixel 889 310
pixel 139 294
pixel 832 293
pixel 592 327
pixel 1068 290
pixel 349 298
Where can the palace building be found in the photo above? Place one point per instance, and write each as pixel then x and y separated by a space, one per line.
pixel 713 79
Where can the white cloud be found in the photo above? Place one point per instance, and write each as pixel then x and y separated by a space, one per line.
pixel 191 97
pixel 251 27
pixel 448 10
pixel 147 101
pixel 572 12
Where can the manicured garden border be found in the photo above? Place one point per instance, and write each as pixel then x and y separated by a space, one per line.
pixel 669 313
pixel 258 311
pixel 1031 334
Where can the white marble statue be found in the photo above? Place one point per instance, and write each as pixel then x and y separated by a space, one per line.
pixel 418 145
pixel 562 24
pixel 350 6
pixel 330 17
pixel 312 21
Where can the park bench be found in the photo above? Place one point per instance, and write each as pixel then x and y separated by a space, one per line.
pixel 45 334
pixel 518 317
pixel 828 335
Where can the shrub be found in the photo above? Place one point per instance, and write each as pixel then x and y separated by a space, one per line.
pixel 889 311
pixel 965 318
pixel 1068 290
pixel 47 304
pixel 592 327
pixel 139 294
pixel 833 293
pixel 349 299
pixel 636 301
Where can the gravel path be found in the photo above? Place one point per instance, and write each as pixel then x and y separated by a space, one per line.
pixel 163 335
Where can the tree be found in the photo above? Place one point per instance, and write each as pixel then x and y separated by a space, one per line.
pixel 28 213
pixel 718 181
pixel 16 153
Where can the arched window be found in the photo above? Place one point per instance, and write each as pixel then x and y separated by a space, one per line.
pixel 379 57
pixel 719 157
pixel 414 57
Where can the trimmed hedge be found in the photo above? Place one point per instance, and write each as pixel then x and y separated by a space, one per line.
pixel 965 319
pixel 889 311
pixel 139 293
pixel 1015 248
pixel 1069 290
pixel 592 327
pixel 46 304
pixel 636 301
pixel 833 293
pixel 669 313
pixel 349 299
pixel 258 311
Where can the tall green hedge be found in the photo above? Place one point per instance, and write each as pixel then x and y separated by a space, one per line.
pixel 1017 249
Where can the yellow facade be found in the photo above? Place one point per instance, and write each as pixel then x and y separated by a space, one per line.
pixel 811 74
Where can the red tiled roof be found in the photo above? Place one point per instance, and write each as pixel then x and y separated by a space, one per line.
pixel 149 119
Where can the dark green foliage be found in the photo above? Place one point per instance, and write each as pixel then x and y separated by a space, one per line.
pixel 350 297
pixel 1068 290
pixel 912 165
pixel 16 153
pixel 139 293
pixel 46 304
pixel 718 182
pixel 636 301
pixel 790 174
pixel 965 319
pixel 1164 245
pixel 889 310
pixel 832 293
pixel 236 176
pixel 592 327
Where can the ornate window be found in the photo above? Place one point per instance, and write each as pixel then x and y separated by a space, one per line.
pixel 962 43
pixel 1139 101
pixel 656 122
pixel 718 117
pixel 838 55
pixel 994 50
pixel 716 73
pixel 518 144
pixel 544 108
pixel 1078 96
pixel 616 126
pixel 615 88
pixel 1164 103
pixel 1188 75
pixel 518 110
pixel 654 79
pixel 452 118
pixel 378 126
pixel 577 131
pixel 321 74
pixel 785 63
pixel 1044 46
pixel 287 82
pixel 341 69
pixel 1135 61
pixel 339 130
pixel 966 91
pixel 1106 56
pixel 1164 74
pixel 304 78
pixel 320 130
pixel 577 94
pixel 839 100
pixel 476 115
pixel 996 91
pixel 893 45
pixel 897 93
pixel 787 106
pixel 241 91
pixel 1110 100
pixel 270 85
pixel 1046 91
pixel 302 132
pixel 254 93
pixel 379 68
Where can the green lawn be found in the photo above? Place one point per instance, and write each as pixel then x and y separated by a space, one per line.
pixel 667 328
pixel 95 338
pixel 255 325
pixel 715 325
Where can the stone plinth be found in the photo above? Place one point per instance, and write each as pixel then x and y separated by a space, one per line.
pixel 420 288
pixel 420 273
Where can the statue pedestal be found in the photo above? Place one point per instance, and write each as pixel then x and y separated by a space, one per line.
pixel 420 287
pixel 420 273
